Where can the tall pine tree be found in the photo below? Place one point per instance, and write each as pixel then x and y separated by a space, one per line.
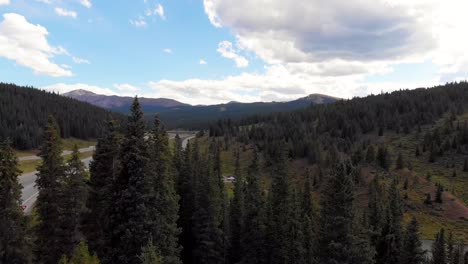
pixel 237 215
pixel 128 222
pixel 50 181
pixel 337 215
pixel 254 235
pixel 13 246
pixel 162 200
pixel 412 252
pixel 104 169
pixel 74 201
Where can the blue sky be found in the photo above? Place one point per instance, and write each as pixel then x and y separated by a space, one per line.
pixel 213 51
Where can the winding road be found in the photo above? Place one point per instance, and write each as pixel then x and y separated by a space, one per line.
pixel 28 180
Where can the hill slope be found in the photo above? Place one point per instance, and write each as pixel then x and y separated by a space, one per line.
pixel 418 138
pixel 24 112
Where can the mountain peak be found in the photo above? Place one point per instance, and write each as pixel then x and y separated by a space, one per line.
pixel 318 98
pixel 79 92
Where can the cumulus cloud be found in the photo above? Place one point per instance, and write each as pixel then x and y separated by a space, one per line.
pixel 4 2
pixel 45 1
pixel 64 88
pixel 66 13
pixel 316 31
pixel 27 45
pixel 80 60
pixel 167 50
pixel 227 51
pixel 86 3
pixel 202 62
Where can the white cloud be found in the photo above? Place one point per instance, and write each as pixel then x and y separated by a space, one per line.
pixel 202 62
pixel 80 60
pixel 158 10
pixel 64 88
pixel 4 2
pixel 67 13
pixel 27 45
pixel 226 50
pixel 138 23
pixel 167 50
pixel 65 66
pixel 323 42
pixel 125 87
pixel 86 3
pixel 278 83
pixel 45 1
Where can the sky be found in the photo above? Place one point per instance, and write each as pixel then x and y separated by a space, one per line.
pixel 216 51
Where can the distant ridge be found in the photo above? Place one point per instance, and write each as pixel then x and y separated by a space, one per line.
pixel 122 103
pixel 175 114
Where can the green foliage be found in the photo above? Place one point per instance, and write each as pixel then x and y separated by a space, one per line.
pixel 13 225
pixel 24 114
pixel 80 255
pixel 128 216
pixel 161 200
pixel 337 201
pixel 254 235
pixel 73 201
pixel 150 254
pixel 103 170
pixel 439 250
pixel 412 252
pixel 237 215
pixel 50 182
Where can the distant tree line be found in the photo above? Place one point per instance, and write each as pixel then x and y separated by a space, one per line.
pixel 24 112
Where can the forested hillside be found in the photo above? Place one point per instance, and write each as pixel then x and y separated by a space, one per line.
pixel 24 112
pixel 371 178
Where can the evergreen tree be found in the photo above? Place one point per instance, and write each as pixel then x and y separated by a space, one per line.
pixel 383 158
pixel 254 235
pixel 128 217
pixel 450 248
pixel 376 210
pixel 150 254
pixel 50 181
pixel 412 252
pixel 185 187
pixel 162 200
pixel 439 193
pixel 80 255
pixel 336 243
pixel 13 245
pixel 104 169
pixel 295 250
pixel 399 162
pixel 363 251
pixel 370 156
pixel 237 219
pixel 392 231
pixel 439 254
pixel 279 206
pixel 309 223
pixel 209 240
pixel 74 200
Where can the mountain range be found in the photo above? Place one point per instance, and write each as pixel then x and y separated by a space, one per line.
pixel 175 114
